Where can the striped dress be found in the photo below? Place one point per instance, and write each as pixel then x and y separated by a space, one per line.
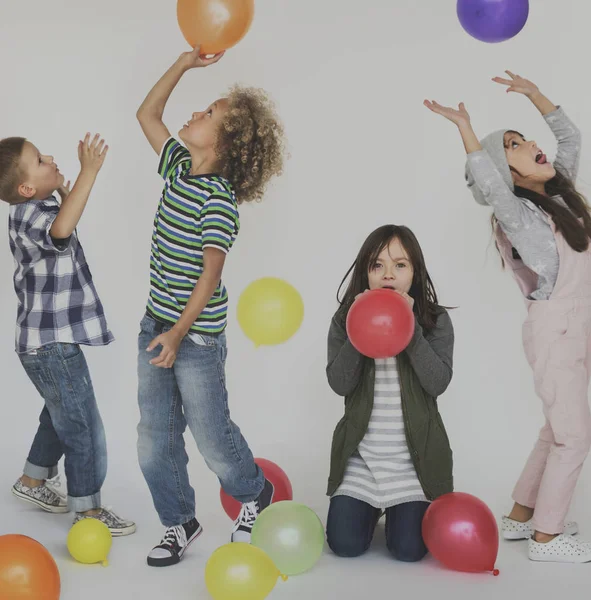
pixel 381 472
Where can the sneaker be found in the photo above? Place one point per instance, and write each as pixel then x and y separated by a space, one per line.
pixel 117 526
pixel 174 544
pixel 45 496
pixel 563 549
pixel 514 530
pixel 249 513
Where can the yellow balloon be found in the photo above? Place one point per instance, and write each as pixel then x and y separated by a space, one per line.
pixel 89 542
pixel 240 571
pixel 270 311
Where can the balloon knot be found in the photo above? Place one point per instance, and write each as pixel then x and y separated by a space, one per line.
pixel 284 577
pixel 105 563
pixel 495 572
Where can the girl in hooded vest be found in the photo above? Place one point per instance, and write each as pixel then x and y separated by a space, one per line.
pixel 542 228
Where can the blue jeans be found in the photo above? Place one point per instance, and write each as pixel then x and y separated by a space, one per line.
pixel 70 424
pixel 193 392
pixel 351 525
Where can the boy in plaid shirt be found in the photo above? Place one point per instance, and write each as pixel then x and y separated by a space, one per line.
pixel 58 311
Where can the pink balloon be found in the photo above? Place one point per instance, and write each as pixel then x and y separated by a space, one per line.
pixel 461 532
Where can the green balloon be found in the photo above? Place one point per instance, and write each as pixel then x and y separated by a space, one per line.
pixel 291 534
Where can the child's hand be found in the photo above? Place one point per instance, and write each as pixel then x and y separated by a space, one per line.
pixel 518 84
pixel 409 299
pixel 460 117
pixel 170 342
pixel 64 190
pixel 92 154
pixel 358 295
pixel 193 60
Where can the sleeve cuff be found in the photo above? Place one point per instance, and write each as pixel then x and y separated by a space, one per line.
pixel 555 113
pixel 216 246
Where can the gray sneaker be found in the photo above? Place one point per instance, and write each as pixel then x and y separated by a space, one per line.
pixel 45 496
pixel 117 526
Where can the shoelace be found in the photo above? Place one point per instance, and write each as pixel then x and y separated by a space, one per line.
pixel 176 534
pixel 109 516
pixel 112 516
pixel 247 516
pixel 54 486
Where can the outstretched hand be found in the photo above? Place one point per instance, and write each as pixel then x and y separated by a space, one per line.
pixel 518 84
pixel 458 116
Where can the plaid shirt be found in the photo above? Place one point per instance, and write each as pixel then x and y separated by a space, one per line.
pixel 57 300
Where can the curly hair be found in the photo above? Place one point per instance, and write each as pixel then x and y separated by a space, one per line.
pixel 250 143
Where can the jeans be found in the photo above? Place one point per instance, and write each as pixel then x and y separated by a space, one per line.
pixel 351 525
pixel 193 392
pixel 70 424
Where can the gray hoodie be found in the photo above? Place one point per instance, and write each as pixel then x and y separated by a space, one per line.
pixel 526 226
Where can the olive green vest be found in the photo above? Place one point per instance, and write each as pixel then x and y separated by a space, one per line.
pixel 427 440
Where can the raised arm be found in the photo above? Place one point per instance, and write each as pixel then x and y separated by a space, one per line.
pixel 565 131
pixel 92 156
pixel 151 110
pixel 482 173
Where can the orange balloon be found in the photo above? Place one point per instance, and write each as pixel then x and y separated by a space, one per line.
pixel 215 25
pixel 27 570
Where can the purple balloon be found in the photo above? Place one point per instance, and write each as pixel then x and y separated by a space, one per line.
pixel 493 20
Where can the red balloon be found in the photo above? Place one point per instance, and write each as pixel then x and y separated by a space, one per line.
pixel 275 474
pixel 27 570
pixel 461 532
pixel 380 323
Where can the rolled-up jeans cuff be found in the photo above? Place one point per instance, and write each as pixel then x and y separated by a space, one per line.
pixel 84 503
pixel 41 473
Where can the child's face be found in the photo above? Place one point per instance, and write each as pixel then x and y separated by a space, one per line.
pixel 42 177
pixel 528 160
pixel 201 131
pixel 392 269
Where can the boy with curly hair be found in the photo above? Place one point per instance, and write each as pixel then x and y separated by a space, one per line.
pixel 231 150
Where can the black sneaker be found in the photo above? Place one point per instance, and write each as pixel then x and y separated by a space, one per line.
pixel 249 513
pixel 175 542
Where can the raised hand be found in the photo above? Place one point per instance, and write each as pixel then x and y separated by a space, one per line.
pixel 518 84
pixel 64 190
pixel 92 154
pixel 459 116
pixel 194 60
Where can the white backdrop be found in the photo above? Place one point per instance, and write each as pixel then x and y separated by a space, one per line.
pixel 349 79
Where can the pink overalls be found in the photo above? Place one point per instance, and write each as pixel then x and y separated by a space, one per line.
pixel 557 343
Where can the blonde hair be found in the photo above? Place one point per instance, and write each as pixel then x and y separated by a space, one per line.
pixel 250 143
pixel 11 172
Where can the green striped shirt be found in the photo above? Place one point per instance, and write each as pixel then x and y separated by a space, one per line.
pixel 195 212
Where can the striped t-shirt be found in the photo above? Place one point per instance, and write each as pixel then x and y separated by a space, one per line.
pixel 195 212
pixel 381 472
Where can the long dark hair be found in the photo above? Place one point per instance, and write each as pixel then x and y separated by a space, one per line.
pixel 426 306
pixel 566 218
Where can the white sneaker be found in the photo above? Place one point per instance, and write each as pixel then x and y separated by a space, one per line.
pixel 562 549
pixel 514 530
pixel 45 496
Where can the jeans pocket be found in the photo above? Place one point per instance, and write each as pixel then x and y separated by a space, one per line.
pixel 200 339
pixel 69 351
pixel 45 383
